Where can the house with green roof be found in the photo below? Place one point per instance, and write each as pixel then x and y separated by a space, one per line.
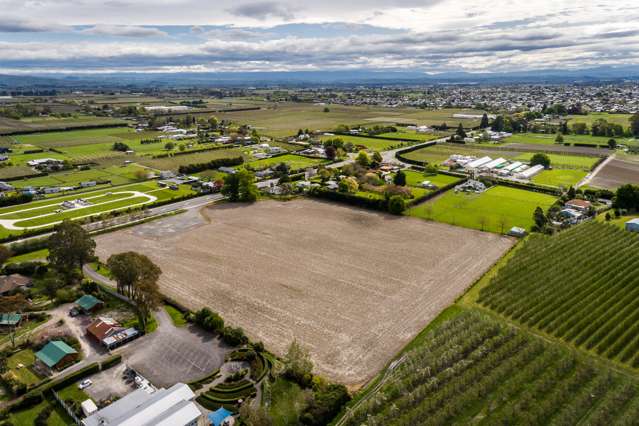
pixel 10 320
pixel 56 355
pixel 89 303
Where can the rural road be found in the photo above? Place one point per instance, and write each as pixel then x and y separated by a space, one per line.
pixel 590 176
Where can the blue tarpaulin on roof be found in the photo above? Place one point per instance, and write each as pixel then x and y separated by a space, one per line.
pixel 219 415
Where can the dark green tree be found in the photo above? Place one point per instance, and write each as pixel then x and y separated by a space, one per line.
pixel 400 178
pixel 461 133
pixel 540 158
pixel 70 247
pixel 484 122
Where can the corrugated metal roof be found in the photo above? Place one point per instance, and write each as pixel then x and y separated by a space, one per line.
pixel 53 352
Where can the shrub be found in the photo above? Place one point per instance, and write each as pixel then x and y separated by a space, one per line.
pixel 234 336
pixel 110 362
pixel 396 205
pixel 209 320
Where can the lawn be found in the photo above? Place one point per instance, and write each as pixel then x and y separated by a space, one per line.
pixel 23 374
pixel 295 162
pixel 28 257
pixel 622 119
pixel 177 317
pixel 73 393
pixel 496 210
pixel 414 178
pixel 26 417
pixel 411 136
pixel 371 143
pixel 549 139
pixel 560 177
pixel 117 175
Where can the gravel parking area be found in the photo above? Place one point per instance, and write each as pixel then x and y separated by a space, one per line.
pixel 109 383
pixel 352 285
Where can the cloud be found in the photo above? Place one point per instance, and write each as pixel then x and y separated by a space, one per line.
pixel 19 25
pixel 125 31
pixel 262 10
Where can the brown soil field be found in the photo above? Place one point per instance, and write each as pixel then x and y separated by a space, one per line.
pixel 354 286
pixel 616 173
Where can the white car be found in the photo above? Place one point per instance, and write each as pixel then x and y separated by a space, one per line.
pixel 85 384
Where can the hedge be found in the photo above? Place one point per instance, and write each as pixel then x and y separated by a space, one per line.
pixel 435 193
pixel 229 388
pixel 210 405
pixel 198 383
pixel 110 362
pixel 213 164
pixel 370 203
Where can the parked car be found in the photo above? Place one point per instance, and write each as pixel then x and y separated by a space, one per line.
pixel 85 384
pixel 74 312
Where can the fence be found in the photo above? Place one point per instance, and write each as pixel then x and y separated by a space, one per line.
pixel 66 407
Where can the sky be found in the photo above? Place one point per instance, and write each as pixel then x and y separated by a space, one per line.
pixel 430 36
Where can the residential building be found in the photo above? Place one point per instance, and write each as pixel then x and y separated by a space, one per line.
pixel 579 205
pixel 13 282
pixel 164 407
pixel 56 355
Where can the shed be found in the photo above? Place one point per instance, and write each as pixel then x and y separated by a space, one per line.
pixel 10 320
pixel 89 303
pixel 88 407
pixel 516 231
pixel 633 225
pixel 56 354
pixel 219 417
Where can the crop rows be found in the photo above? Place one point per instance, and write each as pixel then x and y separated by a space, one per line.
pixel 581 285
pixel 473 370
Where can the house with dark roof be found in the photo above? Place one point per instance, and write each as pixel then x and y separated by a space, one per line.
pixel 56 355
pixel 13 282
pixel 89 303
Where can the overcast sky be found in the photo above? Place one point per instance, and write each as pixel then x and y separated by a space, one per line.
pixel 85 36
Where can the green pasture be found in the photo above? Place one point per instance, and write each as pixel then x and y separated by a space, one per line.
pixel 407 135
pixel 495 210
pixel 621 119
pixel 560 177
pixel 295 162
pixel 371 143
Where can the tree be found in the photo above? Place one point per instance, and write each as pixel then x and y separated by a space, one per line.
pixel 540 220
pixel 377 157
pixel 5 254
pixel 503 223
pixel 120 146
pixel 559 138
pixel 362 159
pixel 255 416
pixel 400 178
pixel 430 170
pixel 461 133
pixel 70 247
pixel 396 204
pixel 612 144
pixel 240 186
pixel 634 124
pixel 484 121
pixel 182 147
pixel 348 185
pixel 169 146
pixel 136 276
pixel 297 363
pixel 326 109
pixel 541 159
pixel 627 197
pixel 331 152
pixel 498 124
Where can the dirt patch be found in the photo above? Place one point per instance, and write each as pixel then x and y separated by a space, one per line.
pixel 354 286
pixel 560 149
pixel 615 174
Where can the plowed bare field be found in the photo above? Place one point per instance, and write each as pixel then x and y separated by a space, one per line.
pixel 353 286
pixel 616 173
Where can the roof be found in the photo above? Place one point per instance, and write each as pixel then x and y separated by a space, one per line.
pixel 218 416
pixel 139 408
pixel 579 203
pixel 88 302
pixel 102 328
pixel 120 335
pixel 88 407
pixel 633 221
pixel 10 319
pixel 53 352
pixel 12 282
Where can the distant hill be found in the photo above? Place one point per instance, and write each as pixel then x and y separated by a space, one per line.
pixel 315 78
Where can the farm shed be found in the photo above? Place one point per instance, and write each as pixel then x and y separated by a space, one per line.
pixel 633 225
pixel 89 303
pixel 10 320
pixel 56 354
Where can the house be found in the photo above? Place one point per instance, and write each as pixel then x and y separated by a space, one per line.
pixel 10 320
pixel 164 407
pixel 46 163
pixel 120 338
pixel 632 225
pixel 4 157
pixel 102 328
pixel 89 303
pixel 56 355
pixel 573 216
pixel 579 205
pixel 5 187
pixel 221 417
pixel 13 282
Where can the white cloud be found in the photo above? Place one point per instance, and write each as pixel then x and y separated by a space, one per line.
pixel 125 31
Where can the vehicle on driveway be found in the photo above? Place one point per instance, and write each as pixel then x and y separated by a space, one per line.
pixel 85 384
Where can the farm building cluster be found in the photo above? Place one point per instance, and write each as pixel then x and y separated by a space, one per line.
pixel 499 167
